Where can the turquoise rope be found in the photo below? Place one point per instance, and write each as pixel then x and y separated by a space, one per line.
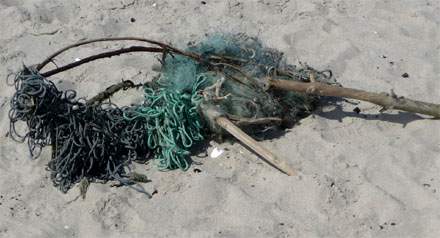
pixel 173 123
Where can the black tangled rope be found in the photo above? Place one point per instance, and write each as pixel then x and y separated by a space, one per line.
pixel 89 140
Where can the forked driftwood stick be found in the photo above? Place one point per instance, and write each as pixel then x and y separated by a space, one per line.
pixel 268 156
pixel 387 101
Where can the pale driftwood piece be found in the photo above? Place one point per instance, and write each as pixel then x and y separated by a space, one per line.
pixel 387 101
pixel 268 156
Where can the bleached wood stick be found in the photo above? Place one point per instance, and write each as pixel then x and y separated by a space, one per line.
pixel 268 156
pixel 387 101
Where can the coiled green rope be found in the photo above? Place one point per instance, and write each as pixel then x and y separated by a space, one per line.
pixel 173 123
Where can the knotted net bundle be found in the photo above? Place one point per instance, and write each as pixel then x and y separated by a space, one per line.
pixel 98 141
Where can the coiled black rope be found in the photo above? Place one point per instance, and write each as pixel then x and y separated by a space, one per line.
pixel 91 141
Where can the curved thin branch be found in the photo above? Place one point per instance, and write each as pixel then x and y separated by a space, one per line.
pixel 160 44
pixel 100 56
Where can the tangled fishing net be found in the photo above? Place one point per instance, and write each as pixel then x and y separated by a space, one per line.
pixel 99 141
pixel 172 101
pixel 173 124
pixel 91 141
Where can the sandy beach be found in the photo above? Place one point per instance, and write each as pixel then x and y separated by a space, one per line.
pixel 366 174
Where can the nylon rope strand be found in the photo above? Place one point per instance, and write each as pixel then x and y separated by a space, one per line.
pixel 173 123
pixel 92 142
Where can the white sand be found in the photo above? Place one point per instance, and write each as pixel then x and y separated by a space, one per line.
pixel 367 175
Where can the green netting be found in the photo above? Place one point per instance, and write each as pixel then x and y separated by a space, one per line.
pixel 171 107
pixel 173 123
pixel 247 98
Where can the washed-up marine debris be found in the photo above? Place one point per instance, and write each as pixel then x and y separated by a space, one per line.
pixel 226 83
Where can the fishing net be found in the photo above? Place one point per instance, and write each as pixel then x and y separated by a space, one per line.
pixel 89 141
pixel 240 80
pixel 172 101
pixel 173 124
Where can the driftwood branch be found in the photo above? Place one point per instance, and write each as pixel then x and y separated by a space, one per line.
pixel 387 101
pixel 268 156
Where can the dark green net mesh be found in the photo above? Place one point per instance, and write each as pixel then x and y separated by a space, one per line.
pixel 234 85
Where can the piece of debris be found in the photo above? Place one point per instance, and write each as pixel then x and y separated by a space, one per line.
pixel 196 170
pixel 216 152
pixel 93 139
